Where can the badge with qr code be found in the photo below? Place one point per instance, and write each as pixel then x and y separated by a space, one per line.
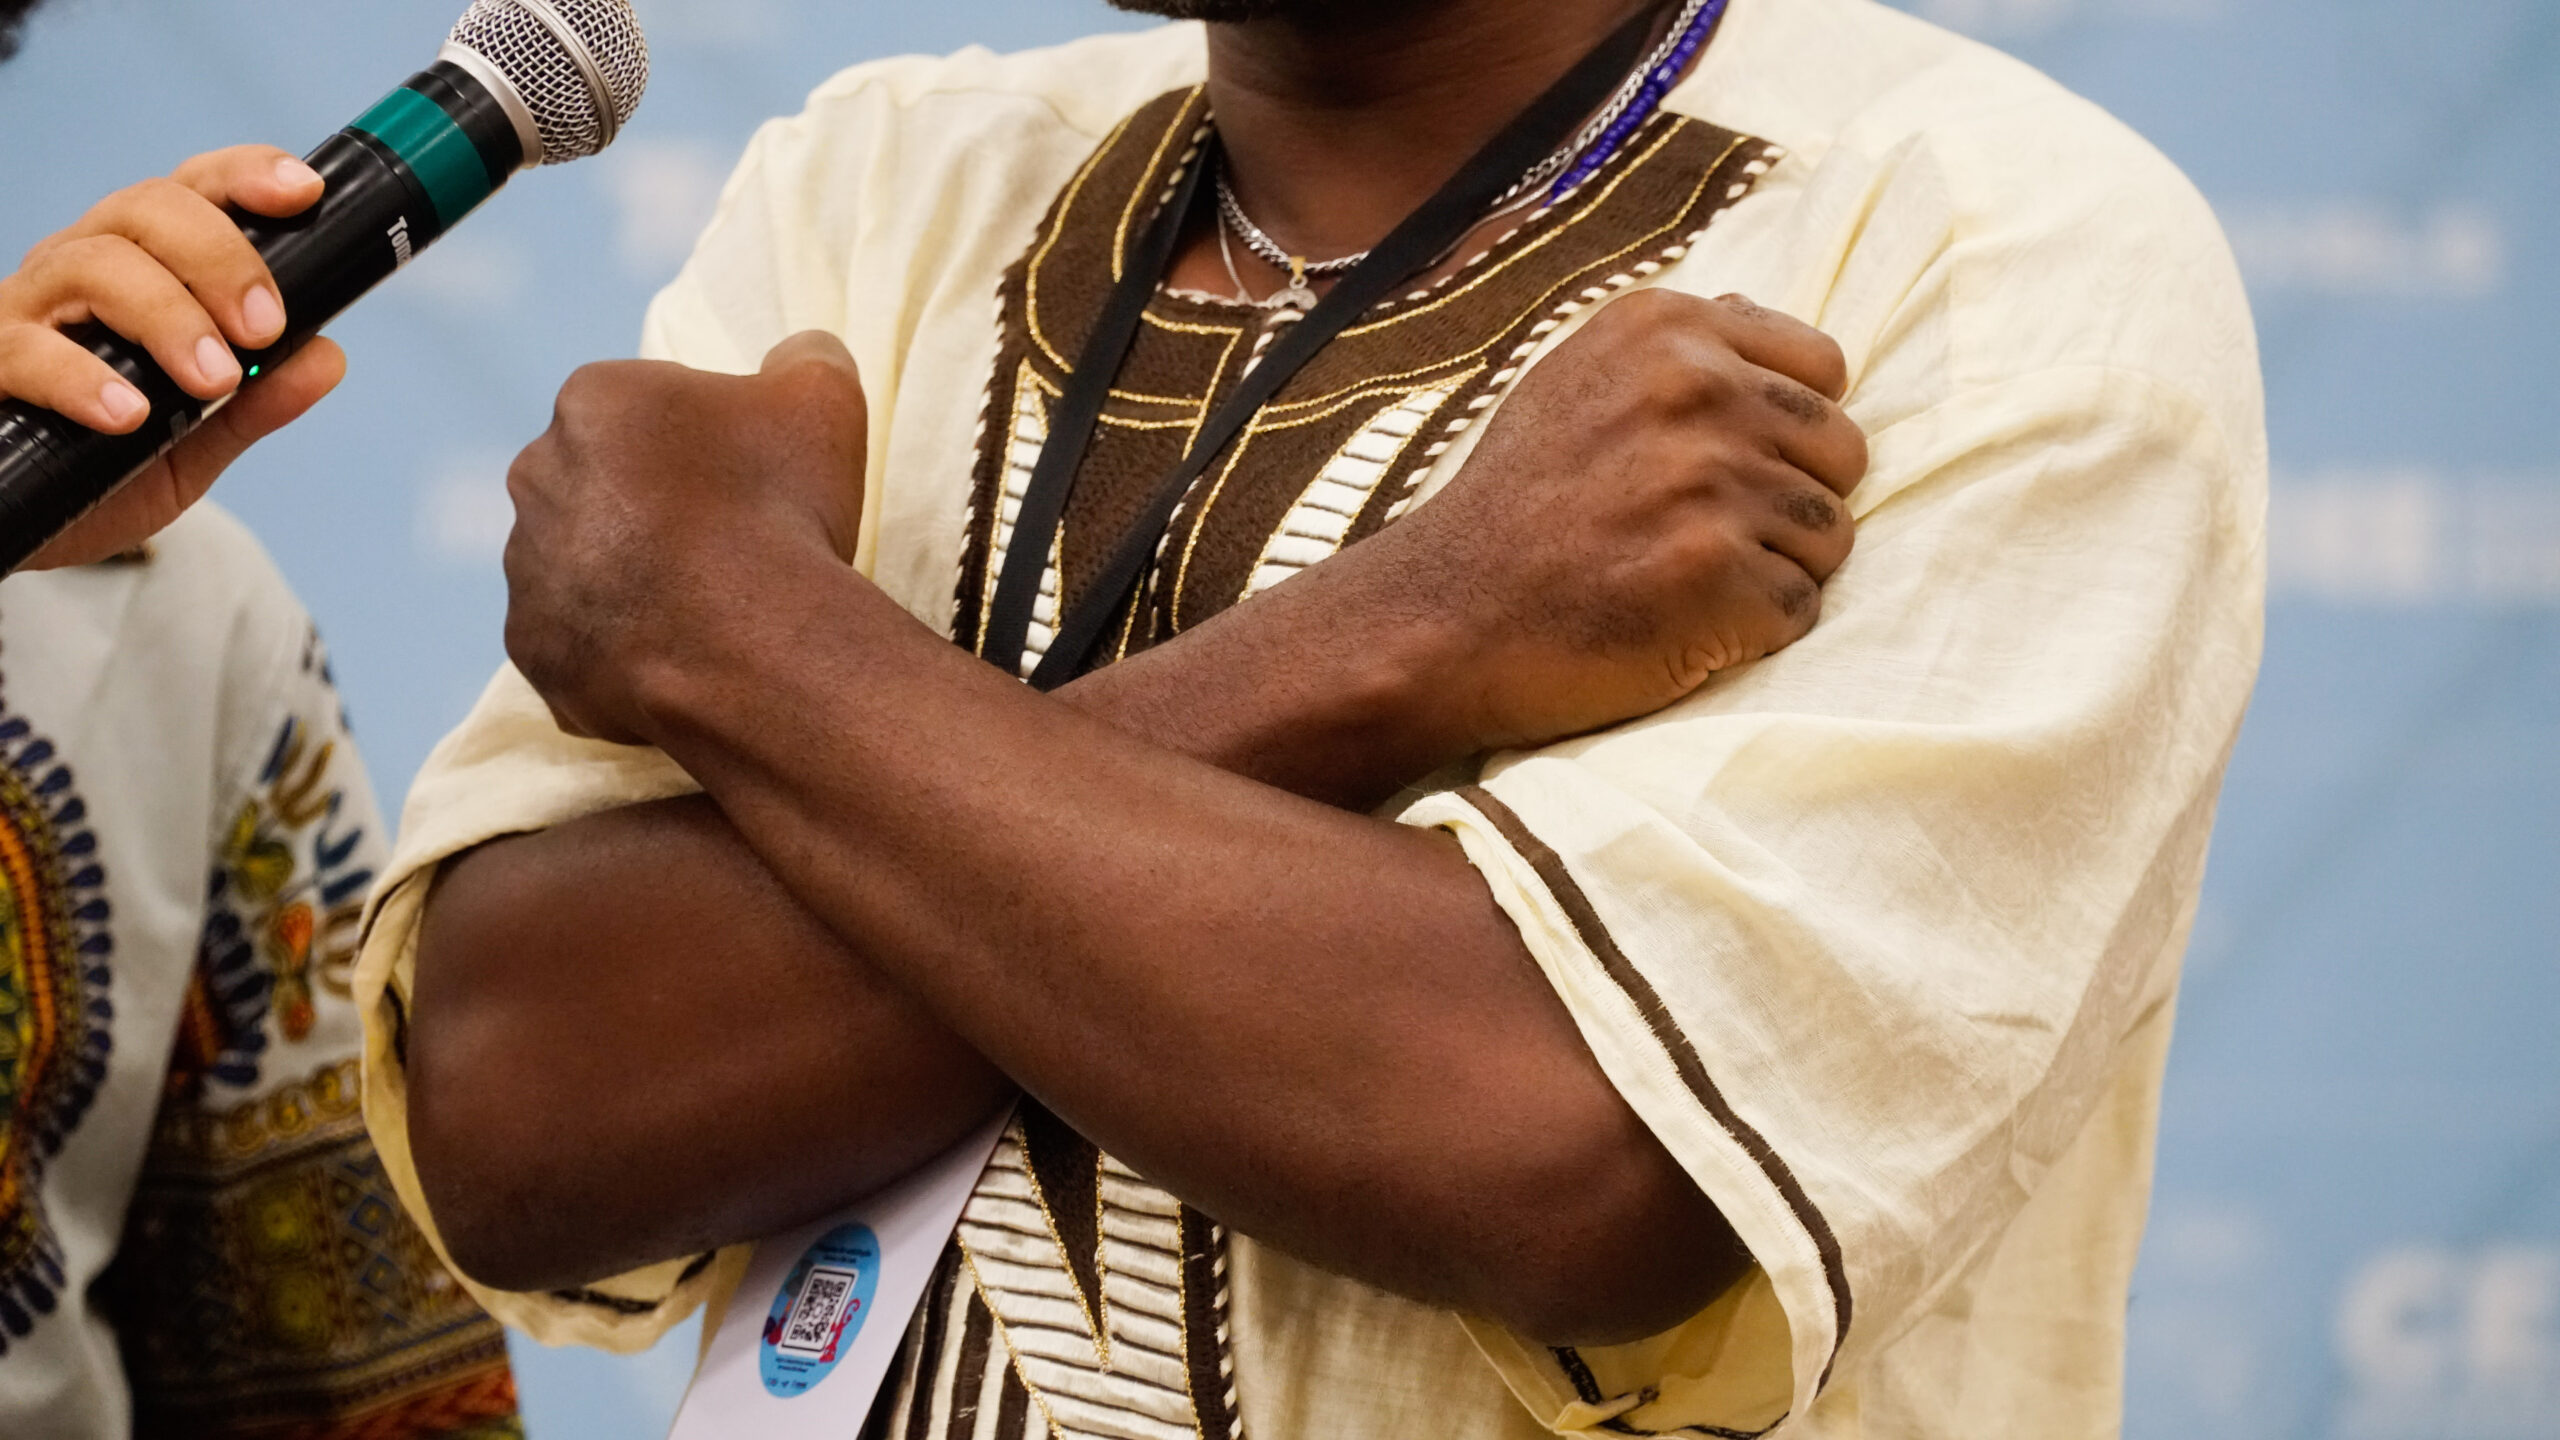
pixel 815 1325
pixel 819 1310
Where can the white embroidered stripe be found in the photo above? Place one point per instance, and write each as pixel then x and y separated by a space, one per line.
pixel 1318 523
pixel 1133 1380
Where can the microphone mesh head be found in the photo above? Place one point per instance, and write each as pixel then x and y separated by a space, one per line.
pixel 574 120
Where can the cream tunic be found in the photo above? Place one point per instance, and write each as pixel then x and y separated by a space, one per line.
pixel 1880 936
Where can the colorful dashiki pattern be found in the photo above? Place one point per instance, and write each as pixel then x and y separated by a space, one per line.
pixel 1078 1300
pixel 55 1017
pixel 265 1282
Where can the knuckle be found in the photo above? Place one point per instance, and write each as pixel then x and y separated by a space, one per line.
pixel 1734 302
pixel 815 382
pixel 1796 401
pixel 157 194
pixel 1811 509
pixel 1798 601
pixel 141 209
pixel 1830 367
pixel 588 389
pixel 1860 452
pixel 1651 305
pixel 94 255
pixel 1640 318
pixel 1701 552
pixel 1678 374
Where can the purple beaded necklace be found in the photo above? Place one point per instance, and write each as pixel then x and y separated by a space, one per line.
pixel 1648 101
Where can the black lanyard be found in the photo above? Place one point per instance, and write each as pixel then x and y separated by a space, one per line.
pixel 1426 236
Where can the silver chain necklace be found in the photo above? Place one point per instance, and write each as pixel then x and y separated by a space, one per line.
pixel 1303 272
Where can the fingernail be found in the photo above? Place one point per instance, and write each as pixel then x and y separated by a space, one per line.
pixel 263 313
pixel 124 404
pixel 293 174
pixel 214 361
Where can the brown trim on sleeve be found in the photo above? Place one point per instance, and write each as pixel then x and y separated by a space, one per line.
pixel 1595 935
pixel 399 1006
pixel 597 1300
pixel 613 1304
pixel 1587 1385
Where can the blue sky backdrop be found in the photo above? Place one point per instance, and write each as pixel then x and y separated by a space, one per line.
pixel 2357 1234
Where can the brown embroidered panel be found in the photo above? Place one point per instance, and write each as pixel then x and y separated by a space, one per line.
pixel 1340 452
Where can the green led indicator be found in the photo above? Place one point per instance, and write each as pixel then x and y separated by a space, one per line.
pixel 254 369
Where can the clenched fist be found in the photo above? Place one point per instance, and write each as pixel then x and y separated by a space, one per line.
pixel 1661 499
pixel 654 485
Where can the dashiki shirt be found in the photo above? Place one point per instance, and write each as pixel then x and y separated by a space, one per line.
pixel 196 1239
pixel 1881 936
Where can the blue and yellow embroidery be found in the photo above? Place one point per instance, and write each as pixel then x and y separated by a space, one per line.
pixel 277 934
pixel 55 1018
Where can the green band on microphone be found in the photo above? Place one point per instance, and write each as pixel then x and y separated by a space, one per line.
pixel 434 148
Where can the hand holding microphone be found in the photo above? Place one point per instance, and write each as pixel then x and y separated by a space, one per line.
pixel 142 350
pixel 164 266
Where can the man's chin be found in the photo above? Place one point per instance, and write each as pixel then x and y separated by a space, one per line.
pixel 12 13
pixel 1220 12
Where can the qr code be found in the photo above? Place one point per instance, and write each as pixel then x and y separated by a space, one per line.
pixel 820 1308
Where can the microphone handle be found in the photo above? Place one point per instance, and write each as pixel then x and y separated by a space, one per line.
pixel 397 179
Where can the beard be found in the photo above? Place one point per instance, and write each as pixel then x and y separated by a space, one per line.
pixel 1222 12
pixel 13 13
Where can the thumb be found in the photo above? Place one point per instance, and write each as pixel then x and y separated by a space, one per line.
pixel 811 345
pixel 817 375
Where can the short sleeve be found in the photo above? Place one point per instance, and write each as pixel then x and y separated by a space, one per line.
pixel 1859 931
pixel 759 271
pixel 507 771
pixel 770 264
pixel 962 150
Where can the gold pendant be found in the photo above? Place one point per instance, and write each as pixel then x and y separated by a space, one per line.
pixel 1300 293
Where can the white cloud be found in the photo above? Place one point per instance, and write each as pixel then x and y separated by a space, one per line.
pixel 2439 1344
pixel 2203 1333
pixel 720 24
pixel 2403 537
pixel 2357 537
pixel 663 193
pixel 464 515
pixel 471 269
pixel 1999 16
pixel 2361 249
pixel 2028 17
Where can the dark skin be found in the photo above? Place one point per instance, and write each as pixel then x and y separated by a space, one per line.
pixel 1340 119
pixel 13 14
pixel 1150 901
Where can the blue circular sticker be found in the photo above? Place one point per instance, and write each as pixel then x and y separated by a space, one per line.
pixel 819 1310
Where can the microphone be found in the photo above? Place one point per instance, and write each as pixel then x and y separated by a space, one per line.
pixel 520 83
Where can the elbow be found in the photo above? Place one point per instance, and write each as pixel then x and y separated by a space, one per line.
pixel 1581 1304
pixel 1607 1243
pixel 476 1145
pixel 477 1182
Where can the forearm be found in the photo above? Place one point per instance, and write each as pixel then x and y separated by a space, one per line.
pixel 632 1043
pixel 616 1020
pixel 1316 1026
pixel 1290 693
